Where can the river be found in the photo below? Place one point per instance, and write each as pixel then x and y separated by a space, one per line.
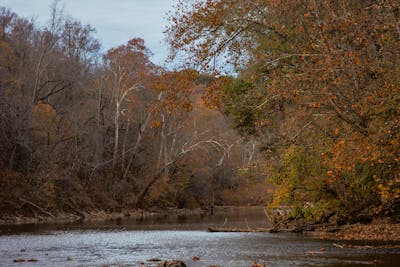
pixel 129 242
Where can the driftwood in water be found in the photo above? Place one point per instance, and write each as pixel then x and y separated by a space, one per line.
pixel 240 230
pixel 222 228
pixel 252 230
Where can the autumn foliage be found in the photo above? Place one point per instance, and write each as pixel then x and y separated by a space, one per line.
pixel 318 84
pixel 283 102
pixel 81 130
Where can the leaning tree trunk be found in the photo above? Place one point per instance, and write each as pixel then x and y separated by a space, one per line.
pixel 155 178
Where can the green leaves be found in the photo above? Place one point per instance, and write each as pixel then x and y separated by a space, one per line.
pixel 240 103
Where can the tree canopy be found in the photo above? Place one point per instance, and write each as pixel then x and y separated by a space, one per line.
pixel 318 84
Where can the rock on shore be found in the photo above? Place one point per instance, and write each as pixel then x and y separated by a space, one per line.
pixel 174 263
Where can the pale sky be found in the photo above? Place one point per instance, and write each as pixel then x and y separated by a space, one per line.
pixel 116 21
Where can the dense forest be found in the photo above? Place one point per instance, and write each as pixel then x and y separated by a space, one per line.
pixel 83 130
pixel 280 103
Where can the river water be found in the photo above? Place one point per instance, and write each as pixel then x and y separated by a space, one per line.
pixel 130 242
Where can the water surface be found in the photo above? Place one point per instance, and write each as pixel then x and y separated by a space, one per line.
pixel 129 242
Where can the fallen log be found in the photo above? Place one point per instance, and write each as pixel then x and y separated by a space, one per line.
pixel 315 252
pixel 36 206
pixel 337 245
pixel 239 230
pixel 71 205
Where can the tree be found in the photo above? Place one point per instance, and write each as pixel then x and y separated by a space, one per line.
pixel 127 65
pixel 317 74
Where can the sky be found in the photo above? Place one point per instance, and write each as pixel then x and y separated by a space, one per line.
pixel 116 21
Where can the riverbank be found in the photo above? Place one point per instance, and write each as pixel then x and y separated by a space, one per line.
pixel 229 215
pixel 374 233
pixel 97 216
pixel 378 231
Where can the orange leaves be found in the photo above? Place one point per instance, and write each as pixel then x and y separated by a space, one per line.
pixel 155 124
pixel 203 31
pixel 137 44
pixel 214 94
pixel 128 70
pixel 330 173
pixel 44 122
pixel 365 156
pixel 354 55
pixel 7 61
pixel 334 61
pixel 6 54
pixel 342 157
pixel 132 58
pixel 177 87
pixel 314 105
pixel 314 46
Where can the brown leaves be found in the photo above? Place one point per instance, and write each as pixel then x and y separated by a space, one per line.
pixel 333 61
pixel 177 88
pixel 131 60
pixel 44 122
pixel 205 31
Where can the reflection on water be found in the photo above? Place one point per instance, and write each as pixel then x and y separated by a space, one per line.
pixel 127 243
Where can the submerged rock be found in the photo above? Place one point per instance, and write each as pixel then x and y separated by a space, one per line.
pixel 256 264
pixel 154 259
pixel 174 263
